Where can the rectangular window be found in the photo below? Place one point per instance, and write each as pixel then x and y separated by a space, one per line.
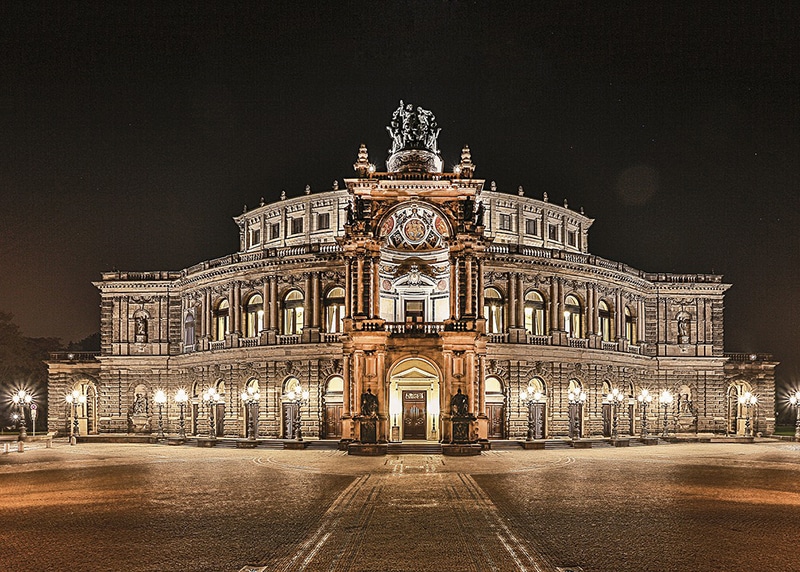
pixel 255 236
pixel 572 238
pixel 505 222
pixel 552 231
pixel 323 221
pixel 275 230
pixel 297 225
pixel 531 226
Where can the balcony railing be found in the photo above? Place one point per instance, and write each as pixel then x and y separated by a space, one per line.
pixel 538 340
pixel 218 345
pixel 248 342
pixel 73 356
pixel 578 343
pixel 289 340
pixel 414 328
pixel 609 346
pixel 498 338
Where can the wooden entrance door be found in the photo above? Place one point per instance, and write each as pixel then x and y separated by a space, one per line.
pixel 289 414
pixel 496 414
pixel 606 420
pixel 219 419
pixel 414 415
pixel 195 430
pixel 333 420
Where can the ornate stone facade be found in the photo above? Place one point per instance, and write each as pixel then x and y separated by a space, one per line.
pixel 414 285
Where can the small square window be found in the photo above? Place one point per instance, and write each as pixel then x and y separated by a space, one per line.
pixel 505 222
pixel 552 231
pixel 297 225
pixel 275 230
pixel 323 221
pixel 531 226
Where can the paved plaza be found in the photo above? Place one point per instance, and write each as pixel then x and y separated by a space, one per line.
pixel 681 507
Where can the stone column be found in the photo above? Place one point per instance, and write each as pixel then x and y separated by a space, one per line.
pixel 316 299
pixel 479 309
pixel 376 287
pixel 348 288
pixel 265 297
pixel 520 302
pixel 512 300
pixel 237 311
pixel 360 286
pixel 554 321
pixel 470 286
pixel 453 288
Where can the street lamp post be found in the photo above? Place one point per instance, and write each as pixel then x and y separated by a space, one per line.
pixel 211 398
pixel 666 401
pixel 22 399
pixel 795 401
pixel 748 400
pixel 576 400
pixel 181 397
pixel 160 398
pixel 529 397
pixel 250 399
pixel 298 396
pixel 74 399
pixel 615 398
pixel 644 400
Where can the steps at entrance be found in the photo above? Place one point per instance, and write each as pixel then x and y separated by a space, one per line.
pixel 410 448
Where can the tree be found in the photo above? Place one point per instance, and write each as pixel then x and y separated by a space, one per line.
pixel 22 367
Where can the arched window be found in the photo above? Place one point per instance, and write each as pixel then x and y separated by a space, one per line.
pixel 534 313
pixel 221 316
pixel 573 317
pixel 493 310
pixel 254 316
pixel 188 330
pixel 538 385
pixel 293 313
pixel 334 310
pixel 604 313
pixel 630 326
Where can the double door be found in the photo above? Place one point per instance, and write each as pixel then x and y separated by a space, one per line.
pixel 415 421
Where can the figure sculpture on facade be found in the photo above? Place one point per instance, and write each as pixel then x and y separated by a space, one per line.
pixel 139 404
pixel 369 404
pixel 141 329
pixel 479 215
pixel 683 328
pixel 459 406
pixel 413 129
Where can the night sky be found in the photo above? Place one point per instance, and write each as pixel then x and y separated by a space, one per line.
pixel 132 134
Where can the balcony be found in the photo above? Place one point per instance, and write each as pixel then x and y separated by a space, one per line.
pixel 414 328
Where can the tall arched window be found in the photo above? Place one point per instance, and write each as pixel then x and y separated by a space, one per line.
pixel 630 326
pixel 493 311
pixel 534 313
pixel 604 313
pixel 334 310
pixel 293 312
pixel 188 330
pixel 573 317
pixel 254 316
pixel 221 316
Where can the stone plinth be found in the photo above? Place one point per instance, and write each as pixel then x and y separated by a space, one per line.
pixel 295 445
pixel 367 449
pixel 246 444
pixel 532 444
pixel 175 441
pixel 206 442
pixel 649 440
pixel 620 442
pixel 579 444
pixel 461 450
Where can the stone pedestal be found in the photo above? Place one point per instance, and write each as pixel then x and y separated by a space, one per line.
pixel 367 449
pixel 206 442
pixel 532 444
pixel 620 442
pixel 246 444
pixel 137 423
pixel 175 441
pixel 368 429
pixel 649 440
pixel 460 429
pixel 295 445
pixel 578 444
pixel 461 450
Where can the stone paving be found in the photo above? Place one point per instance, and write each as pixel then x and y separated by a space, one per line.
pixel 683 507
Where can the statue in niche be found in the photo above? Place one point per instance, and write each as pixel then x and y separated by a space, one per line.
pixel 141 329
pixel 479 215
pixel 683 328
pixel 139 404
pixel 369 404
pixel 459 405
pixel 350 216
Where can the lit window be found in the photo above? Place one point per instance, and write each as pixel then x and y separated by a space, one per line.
pixel 254 316
pixel 293 304
pixel 334 310
pixel 275 230
pixel 573 317
pixel 323 221
pixel 493 309
pixel 534 313
pixel 505 222
pixel 255 236
pixel 188 330
pixel 552 232
pixel 605 321
pixel 221 315
pixel 532 226
pixel 630 326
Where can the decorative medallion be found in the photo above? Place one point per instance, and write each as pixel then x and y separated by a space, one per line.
pixel 414 231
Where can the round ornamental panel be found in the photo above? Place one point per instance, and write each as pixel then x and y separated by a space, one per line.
pixel 388 226
pixel 386 285
pixel 414 231
pixel 441 285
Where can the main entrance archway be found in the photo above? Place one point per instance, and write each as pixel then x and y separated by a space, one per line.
pixel 414 400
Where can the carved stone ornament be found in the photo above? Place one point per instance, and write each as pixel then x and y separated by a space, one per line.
pixel 414 146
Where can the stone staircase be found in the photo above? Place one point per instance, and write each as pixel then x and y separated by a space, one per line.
pixel 415 448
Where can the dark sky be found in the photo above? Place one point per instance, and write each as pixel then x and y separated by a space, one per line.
pixel 132 134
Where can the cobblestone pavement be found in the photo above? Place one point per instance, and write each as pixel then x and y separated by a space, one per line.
pixel 687 507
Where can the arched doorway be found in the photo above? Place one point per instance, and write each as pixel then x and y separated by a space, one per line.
pixel 738 412
pixel 250 412
pixel 290 408
pixel 332 425
pixel 495 408
pixel 85 408
pixel 414 400
pixel 607 413
pixel 577 403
